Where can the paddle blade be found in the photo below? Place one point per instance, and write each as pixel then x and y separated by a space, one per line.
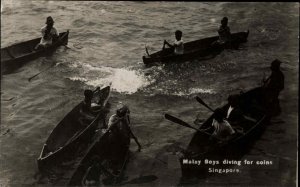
pixel 182 123
pixel 204 104
pixel 146 49
pixel 29 79
pixel 176 120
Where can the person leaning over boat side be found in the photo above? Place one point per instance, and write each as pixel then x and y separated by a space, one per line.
pixel 272 86
pixel 119 137
pixel 178 44
pixel 118 125
pixel 49 34
pixel 222 129
pixel 224 32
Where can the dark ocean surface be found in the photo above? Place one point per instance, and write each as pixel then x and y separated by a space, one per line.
pixel 107 41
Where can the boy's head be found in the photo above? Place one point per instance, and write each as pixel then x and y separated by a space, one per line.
pixel 122 110
pixel 233 100
pixel 275 65
pixel 88 94
pixel 218 115
pixel 49 21
pixel 224 21
pixel 178 35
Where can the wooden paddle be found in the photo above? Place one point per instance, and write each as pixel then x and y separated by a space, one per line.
pixel 203 103
pixel 30 78
pixel 147 50
pixel 183 123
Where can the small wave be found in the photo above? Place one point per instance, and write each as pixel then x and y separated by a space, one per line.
pixel 81 79
pixel 179 92
pixel 201 90
pixel 194 91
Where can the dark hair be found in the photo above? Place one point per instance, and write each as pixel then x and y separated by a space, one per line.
pixel 275 64
pixel 178 33
pixel 49 20
pixel 88 93
pixel 233 100
pixel 122 111
pixel 225 19
pixel 218 115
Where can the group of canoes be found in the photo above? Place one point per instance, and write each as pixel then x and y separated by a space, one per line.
pixel 104 147
pixel 14 56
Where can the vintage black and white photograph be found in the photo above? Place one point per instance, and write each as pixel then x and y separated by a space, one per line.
pixel 153 93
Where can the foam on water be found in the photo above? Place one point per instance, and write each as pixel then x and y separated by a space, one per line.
pixel 78 79
pixel 201 90
pixel 193 91
pixel 122 80
pixel 107 40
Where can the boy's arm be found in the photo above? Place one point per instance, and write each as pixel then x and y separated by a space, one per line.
pixel 165 42
pixel 135 139
pixel 112 121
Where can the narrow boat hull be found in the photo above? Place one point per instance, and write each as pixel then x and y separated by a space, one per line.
pixel 16 55
pixel 202 149
pixel 103 151
pixel 69 135
pixel 199 49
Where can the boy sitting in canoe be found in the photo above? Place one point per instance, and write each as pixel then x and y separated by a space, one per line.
pixel 178 44
pixel 224 32
pixel 89 110
pixel 49 34
pixel 222 129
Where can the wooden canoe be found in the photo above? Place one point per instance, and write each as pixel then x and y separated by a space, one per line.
pixel 201 148
pixel 66 138
pixel 102 150
pixel 14 56
pixel 198 49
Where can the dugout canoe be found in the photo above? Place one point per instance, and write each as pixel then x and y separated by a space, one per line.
pixel 69 135
pixel 14 56
pixel 101 153
pixel 201 148
pixel 198 49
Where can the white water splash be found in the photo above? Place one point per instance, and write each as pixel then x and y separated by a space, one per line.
pixel 201 90
pixel 78 79
pixel 193 91
pixel 121 80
